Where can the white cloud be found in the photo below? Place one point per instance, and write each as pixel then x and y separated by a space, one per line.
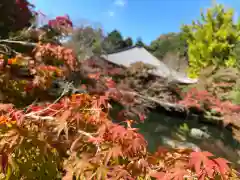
pixel 111 13
pixel 120 3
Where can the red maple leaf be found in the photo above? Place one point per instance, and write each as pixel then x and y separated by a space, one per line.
pixel 206 167
pixel 198 160
pixel 101 101
pixel 221 166
pixel 118 132
pixel 23 4
pixel 138 143
pixel 110 83
pixel 35 108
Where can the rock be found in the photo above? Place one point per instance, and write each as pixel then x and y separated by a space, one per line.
pixel 198 134
pixel 179 145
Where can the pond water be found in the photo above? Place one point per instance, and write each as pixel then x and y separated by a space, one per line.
pixel 160 129
pixel 169 130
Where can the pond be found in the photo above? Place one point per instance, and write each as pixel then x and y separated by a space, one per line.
pixel 170 130
pixel 160 129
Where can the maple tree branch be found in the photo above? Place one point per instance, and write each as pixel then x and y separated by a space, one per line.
pixel 85 134
pixel 164 104
pixel 90 136
pixel 18 42
pixel 91 109
pixel 66 89
pixel 39 117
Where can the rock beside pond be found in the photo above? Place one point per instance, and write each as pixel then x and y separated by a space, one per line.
pixel 198 134
pixel 178 144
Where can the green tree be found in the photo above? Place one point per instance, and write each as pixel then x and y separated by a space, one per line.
pixel 212 40
pixel 86 41
pixel 128 42
pixel 139 42
pixel 114 41
pixel 168 43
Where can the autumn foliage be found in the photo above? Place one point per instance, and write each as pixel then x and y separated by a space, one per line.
pixel 14 16
pixel 212 106
pixel 80 134
pixel 73 137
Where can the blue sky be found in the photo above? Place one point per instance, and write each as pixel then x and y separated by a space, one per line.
pixel 135 18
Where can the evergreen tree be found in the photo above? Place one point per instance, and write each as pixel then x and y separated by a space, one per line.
pixel 139 42
pixel 128 42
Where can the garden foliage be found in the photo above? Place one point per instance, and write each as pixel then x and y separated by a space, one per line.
pixel 213 59
pixel 212 40
pixel 72 137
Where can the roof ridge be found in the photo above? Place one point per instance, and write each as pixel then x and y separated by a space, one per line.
pixel 124 49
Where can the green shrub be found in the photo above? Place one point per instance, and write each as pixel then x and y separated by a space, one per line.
pixel 211 40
